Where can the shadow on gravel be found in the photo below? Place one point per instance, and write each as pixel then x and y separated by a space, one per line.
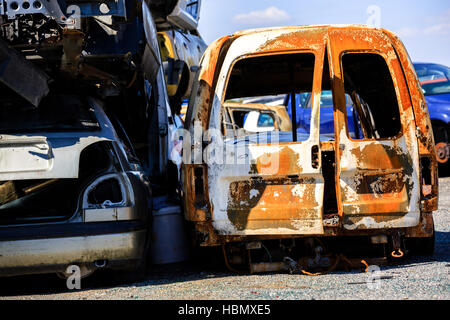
pixel 441 254
pixel 205 264
pixel 208 265
pixel 444 171
pixel 31 284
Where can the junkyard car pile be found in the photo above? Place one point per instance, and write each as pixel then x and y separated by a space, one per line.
pixel 84 134
pixel 298 141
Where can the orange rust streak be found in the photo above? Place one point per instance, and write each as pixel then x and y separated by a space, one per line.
pixel 207 73
pixel 374 156
pixel 285 162
pixel 422 121
pixel 366 204
pixel 300 39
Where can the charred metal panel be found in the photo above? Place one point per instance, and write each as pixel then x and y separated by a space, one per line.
pixel 62 10
pixel 22 76
pixel 150 63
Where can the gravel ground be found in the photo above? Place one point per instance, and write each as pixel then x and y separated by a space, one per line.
pixel 412 278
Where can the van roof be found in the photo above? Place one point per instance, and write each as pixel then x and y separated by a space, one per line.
pixel 305 27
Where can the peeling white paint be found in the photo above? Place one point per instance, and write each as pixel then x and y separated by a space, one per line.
pixel 308 226
pixel 409 220
pixel 298 190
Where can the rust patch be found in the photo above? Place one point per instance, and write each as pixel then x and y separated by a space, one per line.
pixel 425 228
pixel 264 203
pixel 211 54
pixel 285 162
pixel 380 184
pixel 375 156
pixel 300 39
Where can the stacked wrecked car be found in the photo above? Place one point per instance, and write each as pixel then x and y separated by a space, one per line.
pixel 299 144
pixel 84 139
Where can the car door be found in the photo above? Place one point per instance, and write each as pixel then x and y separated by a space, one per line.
pixel 378 174
pixel 267 184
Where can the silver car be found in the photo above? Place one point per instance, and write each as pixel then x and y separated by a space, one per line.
pixel 71 191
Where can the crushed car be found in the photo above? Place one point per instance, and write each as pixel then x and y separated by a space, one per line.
pixel 84 126
pixel 181 47
pixel 355 177
pixel 71 191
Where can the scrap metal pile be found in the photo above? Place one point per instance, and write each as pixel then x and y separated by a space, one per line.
pixel 315 141
pixel 85 122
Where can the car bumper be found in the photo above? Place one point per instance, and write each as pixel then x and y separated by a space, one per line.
pixel 51 248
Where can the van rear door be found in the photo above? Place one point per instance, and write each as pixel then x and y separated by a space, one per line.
pixel 378 173
pixel 269 183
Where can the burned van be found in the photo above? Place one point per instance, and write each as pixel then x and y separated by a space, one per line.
pixel 358 166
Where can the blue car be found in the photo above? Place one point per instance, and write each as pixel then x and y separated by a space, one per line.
pixel 435 81
pixel 303 115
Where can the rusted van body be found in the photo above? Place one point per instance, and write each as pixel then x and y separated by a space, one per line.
pixel 380 181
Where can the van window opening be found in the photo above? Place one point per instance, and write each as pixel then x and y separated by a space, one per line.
pixel 258 87
pixel 368 82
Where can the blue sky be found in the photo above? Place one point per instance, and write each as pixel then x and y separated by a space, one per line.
pixel 423 26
